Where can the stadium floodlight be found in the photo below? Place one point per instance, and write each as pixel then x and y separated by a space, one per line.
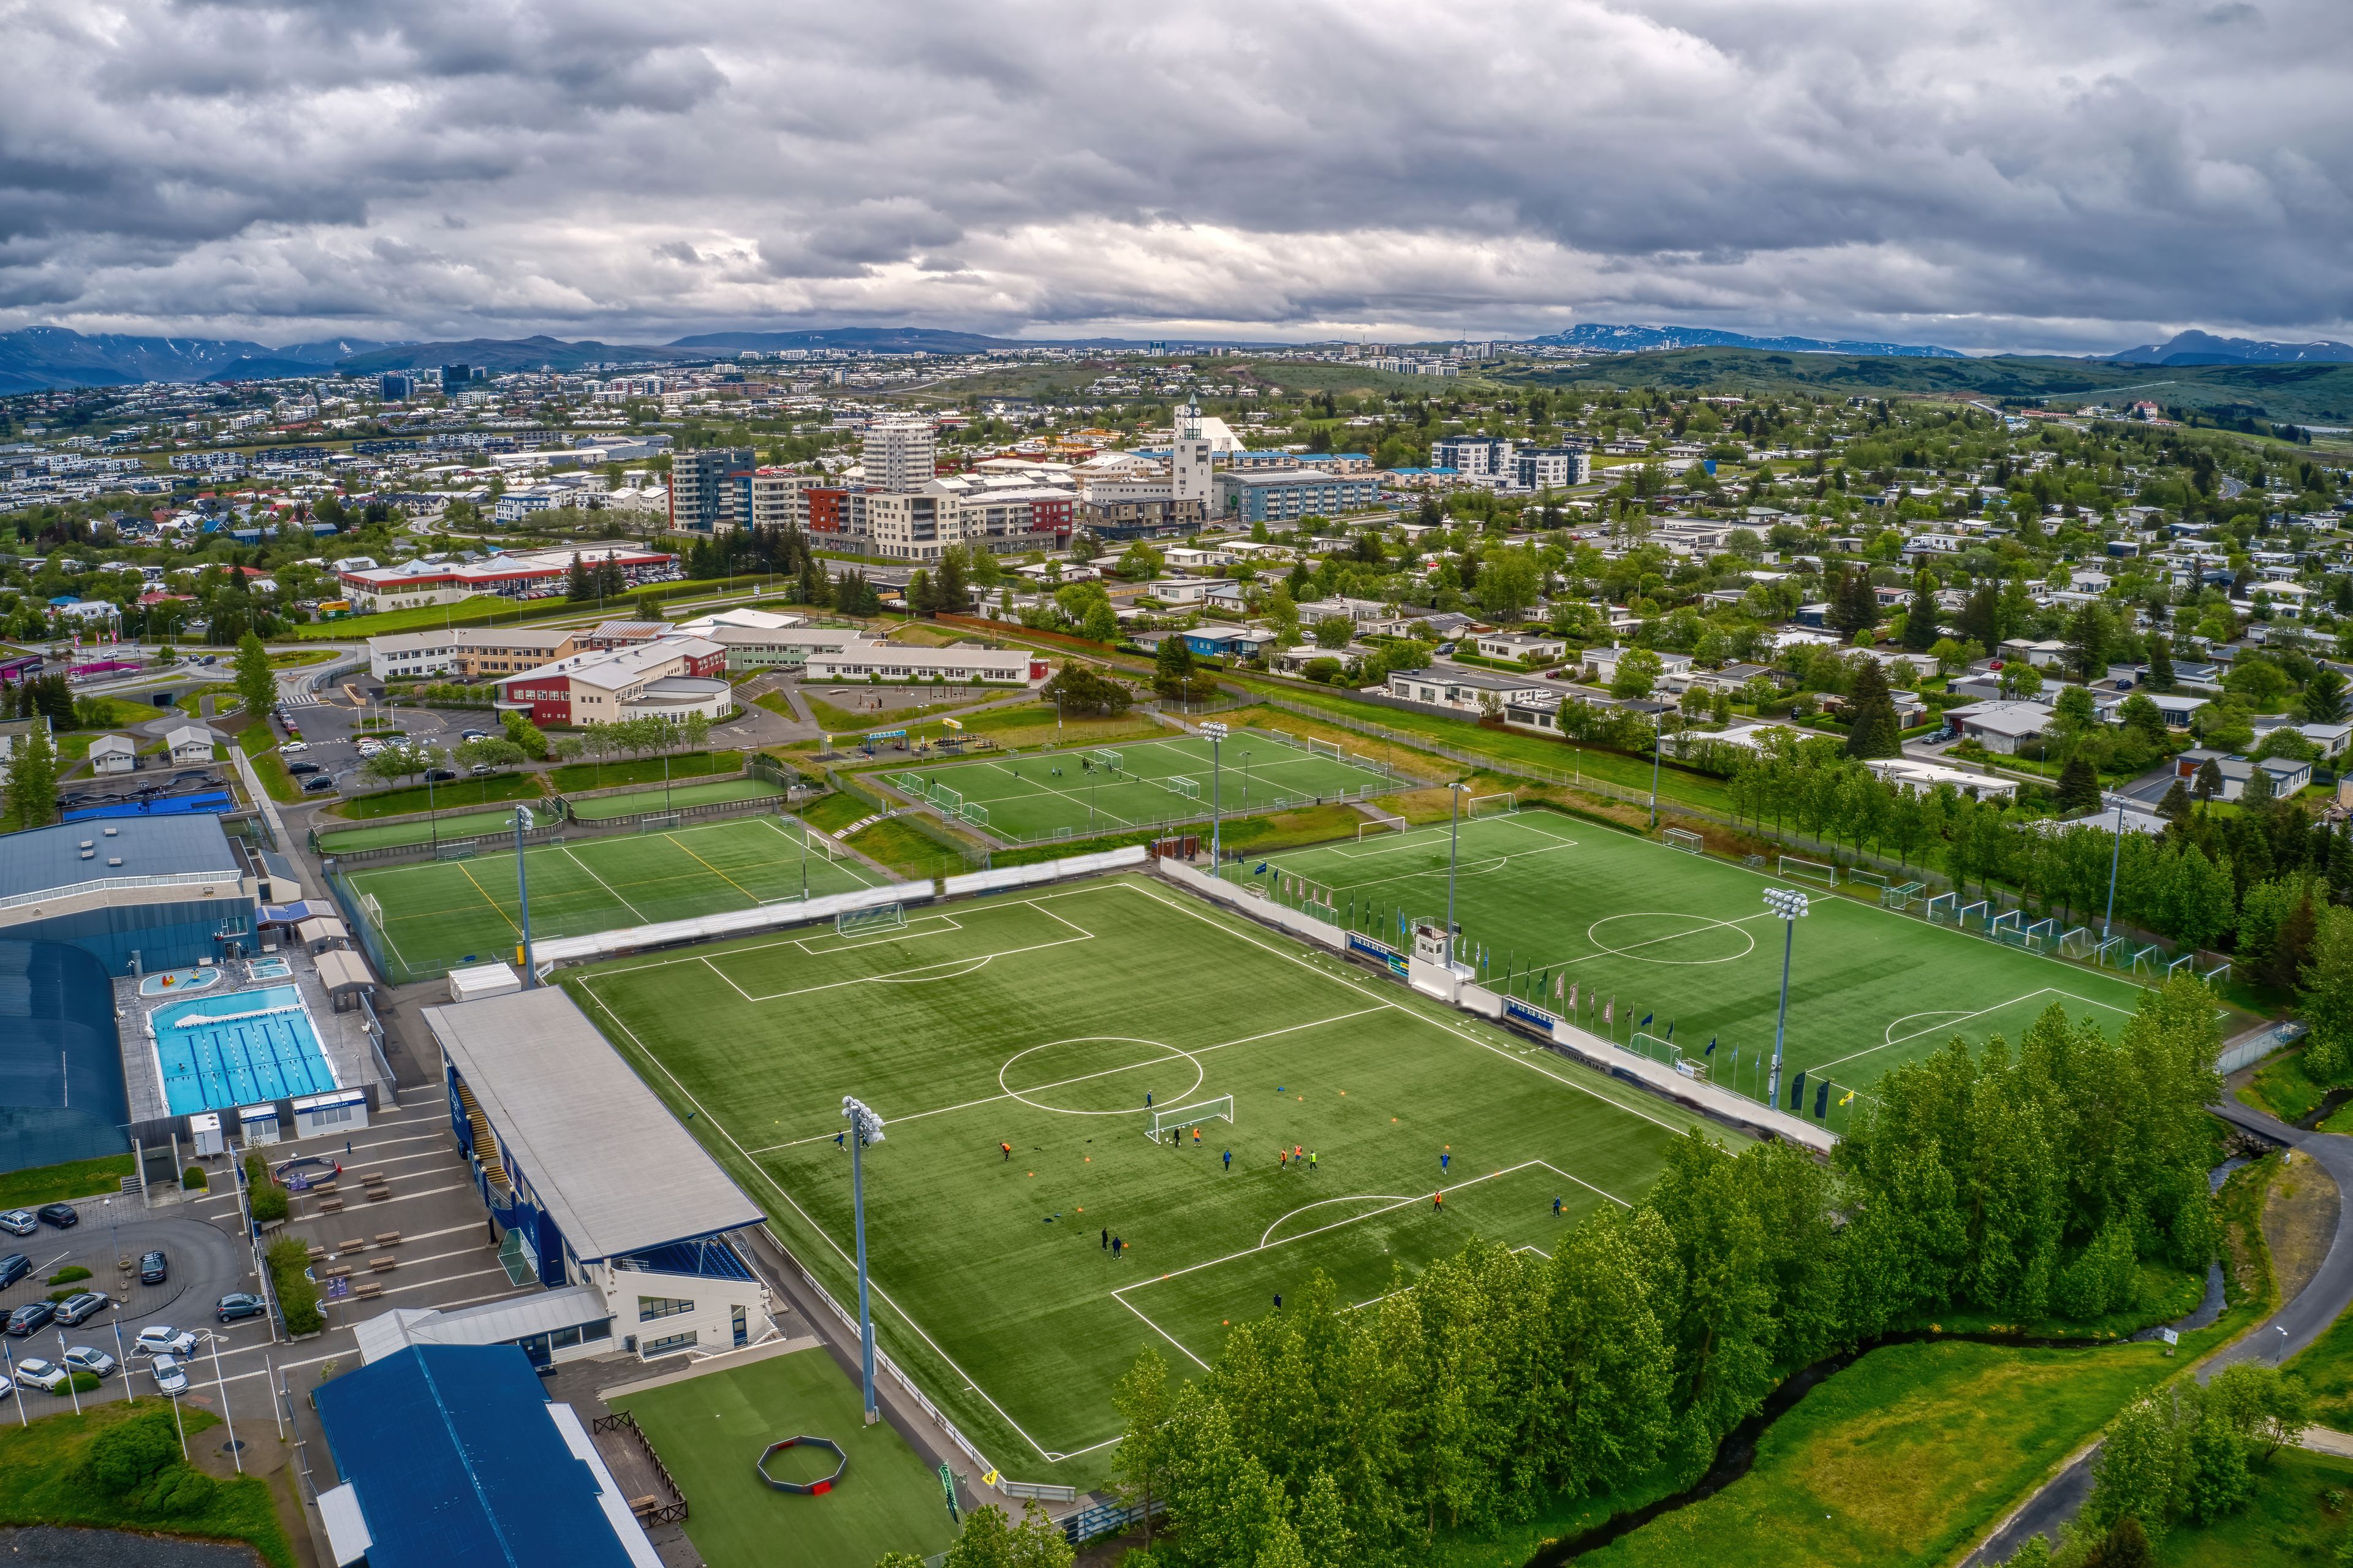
pixel 866 1128
pixel 1790 905
pixel 1454 794
pixel 524 822
pixel 1215 729
pixel 2115 854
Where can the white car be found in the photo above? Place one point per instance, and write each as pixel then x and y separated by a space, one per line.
pixel 292 747
pixel 171 1377
pixel 41 1373
pixel 90 1359
pixel 162 1339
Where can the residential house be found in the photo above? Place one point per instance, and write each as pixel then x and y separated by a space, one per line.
pixel 1604 661
pixel 114 754
pixel 1463 690
pixel 14 732
pixel 1999 726
pixel 189 744
pixel 1520 647
pixel 2288 775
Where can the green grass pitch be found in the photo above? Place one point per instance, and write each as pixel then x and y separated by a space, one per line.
pixel 709 1432
pixel 1043 1022
pixel 1554 902
pixel 449 827
pixel 677 797
pixel 438 913
pixel 1037 796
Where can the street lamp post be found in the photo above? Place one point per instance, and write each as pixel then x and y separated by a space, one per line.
pixel 522 821
pixel 1658 744
pixel 2116 853
pixel 1454 794
pixel 1790 905
pixel 1215 729
pixel 865 1127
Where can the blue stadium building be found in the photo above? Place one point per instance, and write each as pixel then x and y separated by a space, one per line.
pixel 171 891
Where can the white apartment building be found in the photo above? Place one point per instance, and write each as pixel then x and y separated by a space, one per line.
pixel 899 456
pixel 1190 472
pixel 962 662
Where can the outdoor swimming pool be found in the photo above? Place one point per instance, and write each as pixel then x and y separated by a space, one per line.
pixel 268 968
pixel 238 1049
pixel 165 982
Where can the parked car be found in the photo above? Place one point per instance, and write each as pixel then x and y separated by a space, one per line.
pixel 314 785
pixel 440 775
pixel 473 734
pixel 299 769
pixel 19 1222
pixel 13 1267
pixel 482 769
pixel 42 1374
pixel 162 1338
pixel 65 1217
pixel 171 1377
pixel 235 1305
pixel 292 747
pixel 30 1318
pixel 93 1360
pixel 154 1268
pixel 7 1387
pixel 79 1307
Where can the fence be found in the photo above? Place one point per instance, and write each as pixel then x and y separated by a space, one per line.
pixel 2250 1048
pixel 665 1513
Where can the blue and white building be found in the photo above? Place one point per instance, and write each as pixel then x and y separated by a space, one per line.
pixel 1286 495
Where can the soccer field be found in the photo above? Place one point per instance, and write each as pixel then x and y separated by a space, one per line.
pixel 677 797
pixel 1550 902
pixel 1074 793
pixel 440 913
pixel 1043 1021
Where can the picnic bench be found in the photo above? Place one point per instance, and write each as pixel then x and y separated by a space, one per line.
pixel 356 1243
pixel 387 1238
pixel 373 1179
pixel 314 1252
pixel 335 1272
pixel 330 1205
pixel 379 1195
pixel 644 1506
pixel 367 1288
pixel 384 1263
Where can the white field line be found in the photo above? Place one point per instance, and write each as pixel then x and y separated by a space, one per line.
pixel 1084 1078
pixel 1954 1019
pixel 819 1231
pixel 1036 902
pixel 604 884
pixel 931 925
pixel 1044 788
pixel 824 852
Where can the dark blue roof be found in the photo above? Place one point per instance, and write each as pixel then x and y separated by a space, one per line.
pixel 455 1460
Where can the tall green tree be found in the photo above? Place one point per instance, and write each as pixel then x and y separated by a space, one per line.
pixel 1141 1398
pixel 1920 617
pixel 256 687
pixel 33 779
pixel 1874 729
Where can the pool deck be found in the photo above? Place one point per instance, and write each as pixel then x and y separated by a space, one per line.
pixel 342 1039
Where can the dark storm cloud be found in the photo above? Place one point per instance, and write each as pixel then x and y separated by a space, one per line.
pixel 1983 172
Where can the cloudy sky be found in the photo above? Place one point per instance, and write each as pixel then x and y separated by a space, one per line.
pixel 2076 175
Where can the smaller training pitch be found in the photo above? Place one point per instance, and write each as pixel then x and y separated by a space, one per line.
pixel 1071 795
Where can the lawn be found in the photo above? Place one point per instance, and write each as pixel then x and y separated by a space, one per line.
pixel 912 853
pixel 709 1432
pixel 1547 903
pixel 2298 1516
pixel 2327 1367
pixel 455 794
pixel 42 1482
pixel 1904 1458
pixel 1044 1023
pixel 837 811
pixel 641 769
pixel 1073 793
pixel 676 797
pixel 54 1184
pixel 438 913
pixel 448 826
pixel 2282 1088
pixel 260 748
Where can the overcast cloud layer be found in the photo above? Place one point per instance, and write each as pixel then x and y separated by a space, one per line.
pixel 1983 173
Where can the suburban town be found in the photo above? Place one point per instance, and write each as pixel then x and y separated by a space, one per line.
pixel 630 797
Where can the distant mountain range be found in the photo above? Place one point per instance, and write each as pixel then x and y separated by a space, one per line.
pixel 33 359
pixel 1644 340
pixel 2203 348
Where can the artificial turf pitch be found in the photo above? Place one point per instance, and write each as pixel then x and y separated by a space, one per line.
pixel 1040 795
pixel 1043 1022
pixel 440 913
pixel 1549 902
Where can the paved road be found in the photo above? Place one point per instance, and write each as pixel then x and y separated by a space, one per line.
pixel 2278 1337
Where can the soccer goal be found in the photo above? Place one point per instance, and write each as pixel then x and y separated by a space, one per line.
pixel 1900 897
pixel 372 909
pixel 1495 805
pixel 1942 907
pixel 1330 749
pixel 1870 879
pixel 909 784
pixel 972 811
pixel 1165 1117
pixel 870 922
pixel 463 849
pixel 1808 870
pixel 2077 943
pixel 1178 783
pixel 946 799
pixel 1684 839
pixel 657 821
pixel 1104 757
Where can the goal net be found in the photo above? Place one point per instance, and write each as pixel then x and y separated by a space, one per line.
pixel 1682 838
pixel 972 811
pixel 869 922
pixel 1495 805
pixel 1322 748
pixel 1103 757
pixel 461 850
pixel 1380 825
pixel 1181 1116
pixel 657 821
pixel 911 784
pixel 1809 870
pixel 1178 783
pixel 946 799
pixel 372 909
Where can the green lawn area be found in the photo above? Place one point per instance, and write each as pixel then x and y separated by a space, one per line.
pixel 676 797
pixel 710 1431
pixel 1035 796
pixel 1043 1021
pixel 1547 902
pixel 458 793
pixel 2327 1367
pixel 448 825
pixel 438 913
pixel 908 852
pixel 640 770
pixel 1902 1458
pixel 2292 1520
pixel 53 1183
pixel 42 1482
pixel 845 720
pixel 835 811
pixel 260 748
pixel 2284 1088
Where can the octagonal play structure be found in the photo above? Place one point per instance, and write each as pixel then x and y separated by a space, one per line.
pixel 804 1489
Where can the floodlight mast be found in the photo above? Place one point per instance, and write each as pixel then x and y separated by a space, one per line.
pixel 1216 731
pixel 865 1128
pixel 1790 905
pixel 522 821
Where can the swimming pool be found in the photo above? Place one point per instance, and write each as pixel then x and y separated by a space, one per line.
pixel 238 1049
pixel 268 968
pixel 165 981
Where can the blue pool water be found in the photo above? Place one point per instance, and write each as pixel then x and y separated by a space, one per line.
pixel 249 1045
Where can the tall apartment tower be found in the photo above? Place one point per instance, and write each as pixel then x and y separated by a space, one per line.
pixel 899 456
pixel 702 500
pixel 1189 475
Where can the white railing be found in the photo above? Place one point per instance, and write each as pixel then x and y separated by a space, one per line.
pixel 113 884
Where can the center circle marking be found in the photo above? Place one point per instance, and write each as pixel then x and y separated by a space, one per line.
pixel 1201 1073
pixel 1700 924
